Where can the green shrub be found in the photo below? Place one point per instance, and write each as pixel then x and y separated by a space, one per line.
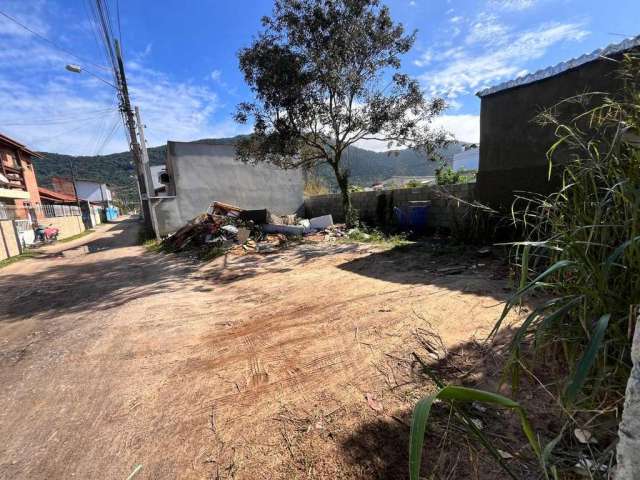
pixel 445 175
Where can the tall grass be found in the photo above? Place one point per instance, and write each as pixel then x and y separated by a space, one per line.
pixel 582 254
pixel 583 243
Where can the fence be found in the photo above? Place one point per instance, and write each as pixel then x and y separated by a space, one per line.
pixel 11 212
pixel 17 224
pixel 377 206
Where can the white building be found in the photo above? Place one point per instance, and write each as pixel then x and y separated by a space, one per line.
pixel 93 191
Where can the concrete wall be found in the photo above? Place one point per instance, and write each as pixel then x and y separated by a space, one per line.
pixel 202 173
pixel 512 147
pixel 376 207
pixel 8 240
pixel 68 226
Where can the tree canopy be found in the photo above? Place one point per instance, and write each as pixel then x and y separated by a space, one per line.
pixel 325 76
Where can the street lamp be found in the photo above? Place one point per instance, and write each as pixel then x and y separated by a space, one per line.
pixel 73 68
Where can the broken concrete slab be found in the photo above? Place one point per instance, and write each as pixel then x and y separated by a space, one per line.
pixel 322 222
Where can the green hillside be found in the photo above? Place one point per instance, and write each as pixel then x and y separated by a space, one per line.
pixel 117 169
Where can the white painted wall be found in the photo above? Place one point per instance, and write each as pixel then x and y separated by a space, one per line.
pixel 91 191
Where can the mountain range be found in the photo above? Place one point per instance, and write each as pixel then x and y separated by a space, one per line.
pixel 117 169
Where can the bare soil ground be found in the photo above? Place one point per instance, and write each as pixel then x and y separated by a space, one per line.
pixel 297 364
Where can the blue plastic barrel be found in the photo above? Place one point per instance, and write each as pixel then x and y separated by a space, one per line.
pixel 413 216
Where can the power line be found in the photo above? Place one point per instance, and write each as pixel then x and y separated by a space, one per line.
pixel 42 37
pixel 62 120
pixel 118 17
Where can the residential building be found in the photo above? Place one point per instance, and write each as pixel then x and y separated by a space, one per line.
pixel 201 172
pixel 513 146
pixel 88 190
pixel 18 184
pixel 51 197
pixel 92 194
pixel 24 205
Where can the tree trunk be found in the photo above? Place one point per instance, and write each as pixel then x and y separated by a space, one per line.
pixel 350 215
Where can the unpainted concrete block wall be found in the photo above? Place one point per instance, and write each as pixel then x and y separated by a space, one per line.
pixel 376 207
pixel 513 146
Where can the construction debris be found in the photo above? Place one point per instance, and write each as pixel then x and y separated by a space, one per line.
pixel 320 223
pixel 230 228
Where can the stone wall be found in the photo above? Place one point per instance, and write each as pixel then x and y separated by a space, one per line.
pixel 9 246
pixel 376 207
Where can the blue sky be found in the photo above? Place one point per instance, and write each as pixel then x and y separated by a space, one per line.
pixel 183 70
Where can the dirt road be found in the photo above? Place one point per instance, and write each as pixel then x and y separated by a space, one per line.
pixel 272 366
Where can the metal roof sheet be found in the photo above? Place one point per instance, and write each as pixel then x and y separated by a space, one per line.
pixel 612 49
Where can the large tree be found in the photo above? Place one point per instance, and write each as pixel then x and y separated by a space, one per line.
pixel 325 76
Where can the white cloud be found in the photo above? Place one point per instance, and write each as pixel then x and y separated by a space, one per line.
pixel 465 128
pixel 490 59
pixel 215 75
pixel 28 13
pixel 487 29
pixel 513 4
pixel 53 110
pixel 425 59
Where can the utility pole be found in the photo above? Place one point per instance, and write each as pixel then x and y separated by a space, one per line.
pixel 75 191
pixel 146 172
pixel 125 107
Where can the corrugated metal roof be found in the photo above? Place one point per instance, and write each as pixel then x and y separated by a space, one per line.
pixel 564 66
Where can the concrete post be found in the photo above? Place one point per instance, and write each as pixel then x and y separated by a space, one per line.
pixel 628 450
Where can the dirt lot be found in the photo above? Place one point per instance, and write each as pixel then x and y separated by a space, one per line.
pixel 290 365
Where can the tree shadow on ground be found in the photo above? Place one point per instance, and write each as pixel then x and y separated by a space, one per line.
pixel 230 268
pixel 380 447
pixel 67 287
pixel 454 267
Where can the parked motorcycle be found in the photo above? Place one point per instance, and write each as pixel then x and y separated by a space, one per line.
pixel 46 234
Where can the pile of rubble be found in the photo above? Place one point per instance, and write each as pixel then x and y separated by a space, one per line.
pixel 227 228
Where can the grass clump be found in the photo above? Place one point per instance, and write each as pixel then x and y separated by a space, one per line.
pixel 16 258
pixel 373 235
pixel 77 236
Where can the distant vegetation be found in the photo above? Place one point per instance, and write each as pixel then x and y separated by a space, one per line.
pixel 116 169
pixel 446 175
